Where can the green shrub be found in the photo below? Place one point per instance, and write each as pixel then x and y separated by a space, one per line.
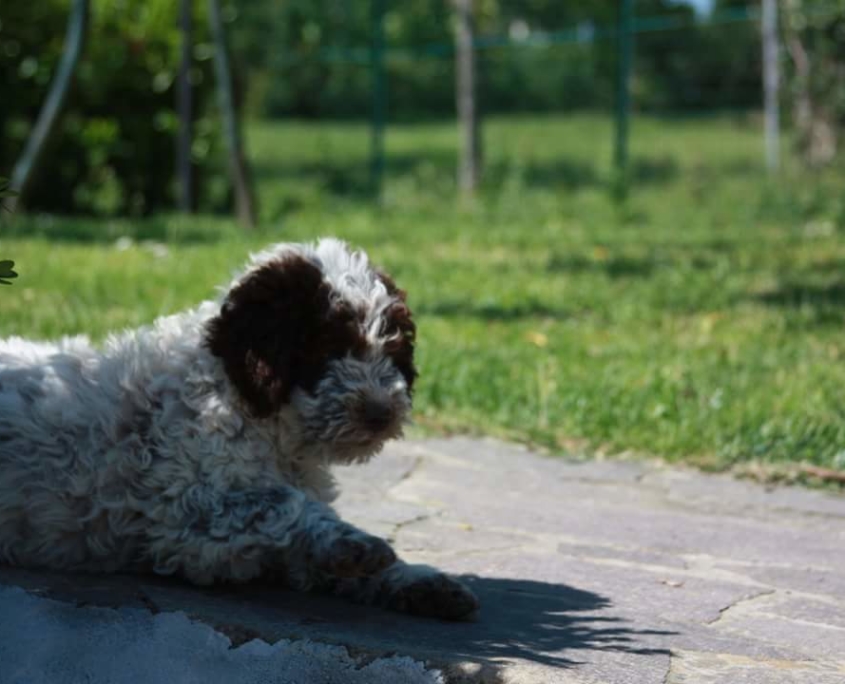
pixel 115 148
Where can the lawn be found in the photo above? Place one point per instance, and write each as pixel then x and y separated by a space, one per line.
pixel 700 320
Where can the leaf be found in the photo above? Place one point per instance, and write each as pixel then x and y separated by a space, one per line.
pixel 7 271
pixel 537 338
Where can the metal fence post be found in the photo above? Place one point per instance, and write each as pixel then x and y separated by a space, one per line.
pixel 771 79
pixel 26 167
pixel 466 94
pixel 625 44
pixel 379 80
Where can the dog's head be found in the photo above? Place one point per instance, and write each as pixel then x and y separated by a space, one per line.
pixel 317 328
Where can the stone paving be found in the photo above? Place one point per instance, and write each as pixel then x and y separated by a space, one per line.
pixel 590 572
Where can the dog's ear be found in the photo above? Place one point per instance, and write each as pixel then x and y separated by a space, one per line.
pixel 400 329
pixel 264 320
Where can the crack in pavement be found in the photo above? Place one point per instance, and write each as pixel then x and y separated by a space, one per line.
pixel 408 474
pixel 706 666
pixel 668 674
pixel 398 527
pixel 740 603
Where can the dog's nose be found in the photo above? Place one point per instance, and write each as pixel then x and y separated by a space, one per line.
pixel 376 415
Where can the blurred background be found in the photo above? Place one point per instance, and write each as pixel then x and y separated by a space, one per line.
pixel 620 222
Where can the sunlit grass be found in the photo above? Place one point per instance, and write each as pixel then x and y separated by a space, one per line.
pixel 701 320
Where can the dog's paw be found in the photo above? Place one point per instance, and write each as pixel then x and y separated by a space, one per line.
pixel 434 595
pixel 356 555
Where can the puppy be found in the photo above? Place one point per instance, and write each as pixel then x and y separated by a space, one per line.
pixel 201 445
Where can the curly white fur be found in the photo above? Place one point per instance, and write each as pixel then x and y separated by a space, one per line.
pixel 140 454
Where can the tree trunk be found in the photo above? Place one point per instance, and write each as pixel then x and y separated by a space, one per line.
pixel 32 156
pixel 814 118
pixel 244 200
pixel 466 93
pixel 815 130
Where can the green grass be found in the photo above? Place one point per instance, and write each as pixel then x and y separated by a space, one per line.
pixel 702 320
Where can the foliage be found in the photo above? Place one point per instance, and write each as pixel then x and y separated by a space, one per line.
pixel 114 151
pixel 310 58
pixel 5 191
pixel 7 270
pixel 698 66
pixel 700 321
pixel 6 267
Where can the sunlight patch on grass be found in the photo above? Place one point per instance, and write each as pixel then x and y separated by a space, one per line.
pixel 702 320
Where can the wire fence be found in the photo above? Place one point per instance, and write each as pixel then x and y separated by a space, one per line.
pixel 593 66
pixel 652 64
pixel 585 32
pixel 347 62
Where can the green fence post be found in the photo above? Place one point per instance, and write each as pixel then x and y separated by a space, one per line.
pixel 625 46
pixel 184 109
pixel 379 97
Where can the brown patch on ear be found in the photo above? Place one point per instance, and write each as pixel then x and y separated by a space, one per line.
pixel 263 323
pixel 392 289
pixel 400 325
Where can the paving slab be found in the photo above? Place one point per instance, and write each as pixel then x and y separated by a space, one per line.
pixel 588 572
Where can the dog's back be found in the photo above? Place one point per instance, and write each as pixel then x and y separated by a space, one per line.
pixel 42 426
pixel 71 437
pixel 95 442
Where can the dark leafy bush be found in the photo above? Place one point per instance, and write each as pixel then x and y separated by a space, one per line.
pixel 310 58
pixel 115 148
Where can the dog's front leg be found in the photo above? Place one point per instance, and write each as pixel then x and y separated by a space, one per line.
pixel 210 535
pixel 415 589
